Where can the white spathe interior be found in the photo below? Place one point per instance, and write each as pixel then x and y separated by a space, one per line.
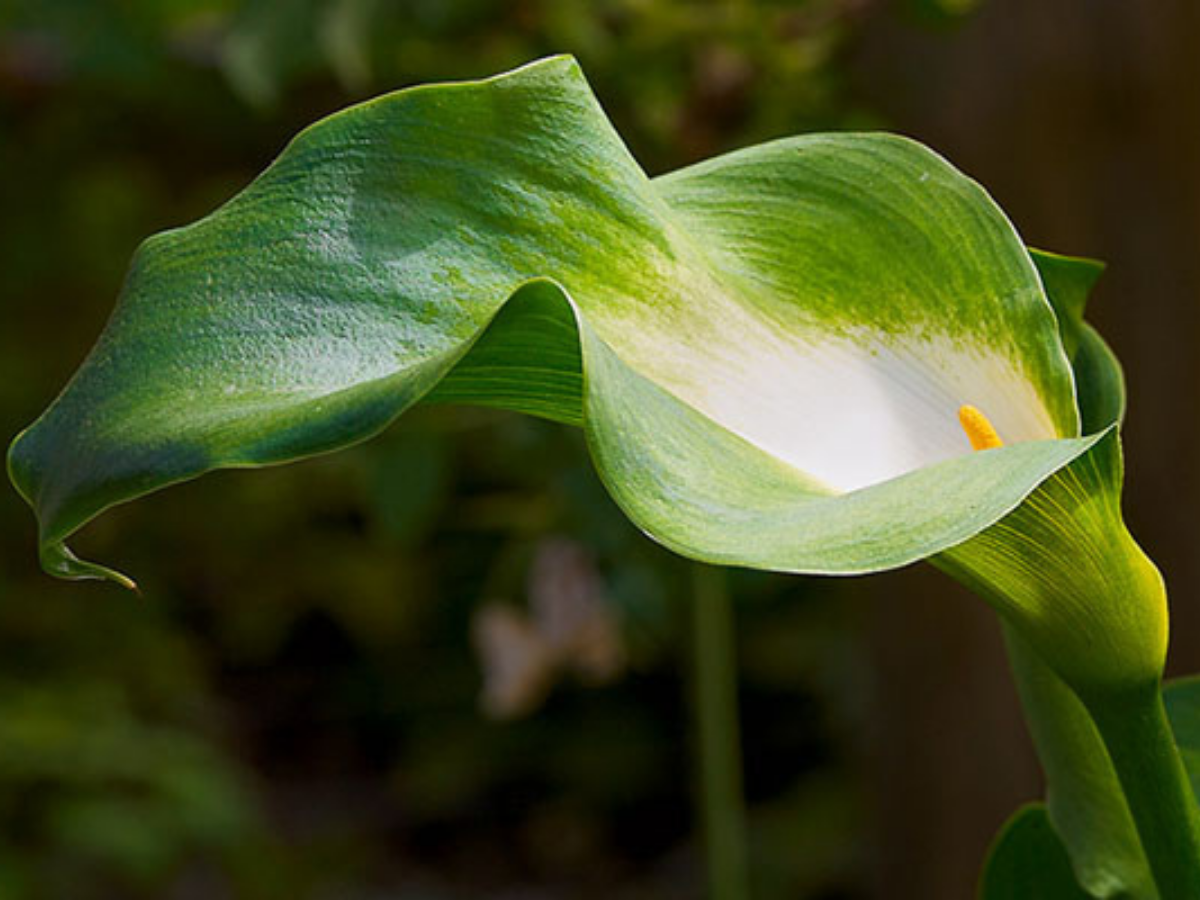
pixel 852 411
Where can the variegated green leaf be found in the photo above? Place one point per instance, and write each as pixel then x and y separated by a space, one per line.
pixel 774 344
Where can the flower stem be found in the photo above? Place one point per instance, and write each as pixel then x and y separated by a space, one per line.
pixel 720 763
pixel 1139 739
pixel 1084 798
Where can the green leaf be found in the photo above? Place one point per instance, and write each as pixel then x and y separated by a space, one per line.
pixel 1028 862
pixel 1068 281
pixel 773 345
pixel 1182 698
pixel 1099 384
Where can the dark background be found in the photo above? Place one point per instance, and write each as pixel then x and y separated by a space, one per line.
pixel 292 708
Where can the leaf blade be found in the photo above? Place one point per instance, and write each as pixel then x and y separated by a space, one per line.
pixel 371 267
pixel 1028 862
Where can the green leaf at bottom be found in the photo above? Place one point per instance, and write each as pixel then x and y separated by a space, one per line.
pixel 1182 699
pixel 1028 862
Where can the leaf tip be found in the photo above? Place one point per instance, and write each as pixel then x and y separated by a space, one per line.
pixel 58 560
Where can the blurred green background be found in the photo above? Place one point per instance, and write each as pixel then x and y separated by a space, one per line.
pixel 295 706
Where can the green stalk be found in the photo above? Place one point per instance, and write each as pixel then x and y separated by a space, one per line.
pixel 1118 792
pixel 1083 794
pixel 1135 729
pixel 720 764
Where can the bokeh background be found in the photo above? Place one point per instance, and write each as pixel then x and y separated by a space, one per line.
pixel 296 706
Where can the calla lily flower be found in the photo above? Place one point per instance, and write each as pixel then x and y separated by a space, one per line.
pixel 783 358
pixel 769 351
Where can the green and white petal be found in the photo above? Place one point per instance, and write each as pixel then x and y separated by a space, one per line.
pixel 768 351
pixel 892 290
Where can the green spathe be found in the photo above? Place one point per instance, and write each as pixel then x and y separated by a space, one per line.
pixel 767 350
